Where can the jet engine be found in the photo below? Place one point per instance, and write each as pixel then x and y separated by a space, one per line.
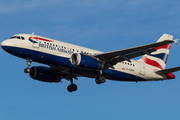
pixel 86 62
pixel 44 74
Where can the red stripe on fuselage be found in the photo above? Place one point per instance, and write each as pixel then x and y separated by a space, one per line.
pixel 37 38
pixel 152 62
pixel 168 46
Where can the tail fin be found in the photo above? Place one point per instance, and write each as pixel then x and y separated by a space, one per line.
pixel 159 58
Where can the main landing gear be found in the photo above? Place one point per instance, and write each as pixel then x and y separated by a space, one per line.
pixel 100 79
pixel 72 87
pixel 27 70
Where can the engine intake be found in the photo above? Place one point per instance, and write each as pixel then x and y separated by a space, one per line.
pixel 44 74
pixel 86 62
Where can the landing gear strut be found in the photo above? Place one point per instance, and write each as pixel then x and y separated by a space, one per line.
pixel 72 87
pixel 27 70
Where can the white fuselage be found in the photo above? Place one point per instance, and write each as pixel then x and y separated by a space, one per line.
pixel 65 50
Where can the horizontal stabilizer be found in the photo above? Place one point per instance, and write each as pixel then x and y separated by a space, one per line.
pixel 166 71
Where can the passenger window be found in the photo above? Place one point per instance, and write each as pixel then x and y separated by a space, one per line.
pixel 18 37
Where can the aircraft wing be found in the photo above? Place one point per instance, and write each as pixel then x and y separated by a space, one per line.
pixel 114 57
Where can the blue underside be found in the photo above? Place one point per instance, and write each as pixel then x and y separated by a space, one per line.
pixel 50 59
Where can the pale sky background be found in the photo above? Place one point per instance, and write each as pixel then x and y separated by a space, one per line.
pixel 103 25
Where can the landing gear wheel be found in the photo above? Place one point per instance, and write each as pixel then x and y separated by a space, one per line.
pixel 69 88
pixel 97 81
pixel 100 80
pixel 26 70
pixel 72 87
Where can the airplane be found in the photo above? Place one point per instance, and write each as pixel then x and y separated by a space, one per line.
pixel 68 61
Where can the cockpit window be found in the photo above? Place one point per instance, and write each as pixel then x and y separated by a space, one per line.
pixel 22 38
pixel 13 37
pixel 18 37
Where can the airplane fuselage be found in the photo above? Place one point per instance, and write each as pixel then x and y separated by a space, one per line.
pixel 57 55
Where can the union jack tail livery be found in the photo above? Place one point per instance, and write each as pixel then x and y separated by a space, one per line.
pixel 159 58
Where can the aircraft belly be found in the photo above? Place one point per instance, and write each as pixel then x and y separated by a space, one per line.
pixel 122 76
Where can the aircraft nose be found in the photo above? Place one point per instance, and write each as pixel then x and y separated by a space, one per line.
pixel 5 44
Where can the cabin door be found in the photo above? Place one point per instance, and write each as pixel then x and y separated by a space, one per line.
pixel 142 68
pixel 35 42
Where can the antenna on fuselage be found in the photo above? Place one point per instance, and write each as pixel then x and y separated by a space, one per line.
pixel 32 35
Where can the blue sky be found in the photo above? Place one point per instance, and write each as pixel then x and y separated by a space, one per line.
pixel 104 25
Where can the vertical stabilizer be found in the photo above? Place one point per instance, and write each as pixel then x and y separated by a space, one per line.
pixel 158 58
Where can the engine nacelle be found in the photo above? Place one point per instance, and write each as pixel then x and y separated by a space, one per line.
pixel 44 74
pixel 86 62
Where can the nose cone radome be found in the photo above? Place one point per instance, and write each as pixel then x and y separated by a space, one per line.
pixel 5 44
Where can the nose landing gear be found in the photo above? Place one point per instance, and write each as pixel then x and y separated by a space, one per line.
pixel 27 70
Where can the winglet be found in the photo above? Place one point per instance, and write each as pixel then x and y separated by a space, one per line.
pixel 176 41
